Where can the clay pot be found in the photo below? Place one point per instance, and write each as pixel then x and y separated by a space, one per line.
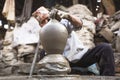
pixel 53 37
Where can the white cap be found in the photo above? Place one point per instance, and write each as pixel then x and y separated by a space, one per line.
pixel 42 10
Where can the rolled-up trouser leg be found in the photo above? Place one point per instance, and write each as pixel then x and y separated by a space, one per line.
pixel 101 54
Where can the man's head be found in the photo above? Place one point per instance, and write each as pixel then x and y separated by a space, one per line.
pixel 42 15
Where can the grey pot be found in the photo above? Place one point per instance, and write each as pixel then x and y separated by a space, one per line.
pixel 53 37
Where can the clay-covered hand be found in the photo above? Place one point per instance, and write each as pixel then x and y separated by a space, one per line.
pixel 54 14
pixel 58 14
pixel 63 15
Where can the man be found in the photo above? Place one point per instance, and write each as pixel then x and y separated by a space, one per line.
pixel 101 54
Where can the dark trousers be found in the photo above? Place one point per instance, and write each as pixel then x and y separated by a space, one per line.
pixel 101 54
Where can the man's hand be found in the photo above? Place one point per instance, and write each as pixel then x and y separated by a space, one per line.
pixel 63 15
pixel 57 14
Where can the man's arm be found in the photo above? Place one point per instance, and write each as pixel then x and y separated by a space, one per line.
pixel 58 14
pixel 75 21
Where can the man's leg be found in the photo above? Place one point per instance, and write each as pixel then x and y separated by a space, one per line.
pixel 103 55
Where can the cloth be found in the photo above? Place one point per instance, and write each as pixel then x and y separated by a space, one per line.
pixel 9 10
pixel 101 54
pixel 28 33
pixel 74 49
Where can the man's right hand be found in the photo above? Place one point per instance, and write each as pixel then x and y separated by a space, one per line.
pixel 63 15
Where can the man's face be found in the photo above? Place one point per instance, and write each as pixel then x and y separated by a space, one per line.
pixel 43 19
pixel 42 15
